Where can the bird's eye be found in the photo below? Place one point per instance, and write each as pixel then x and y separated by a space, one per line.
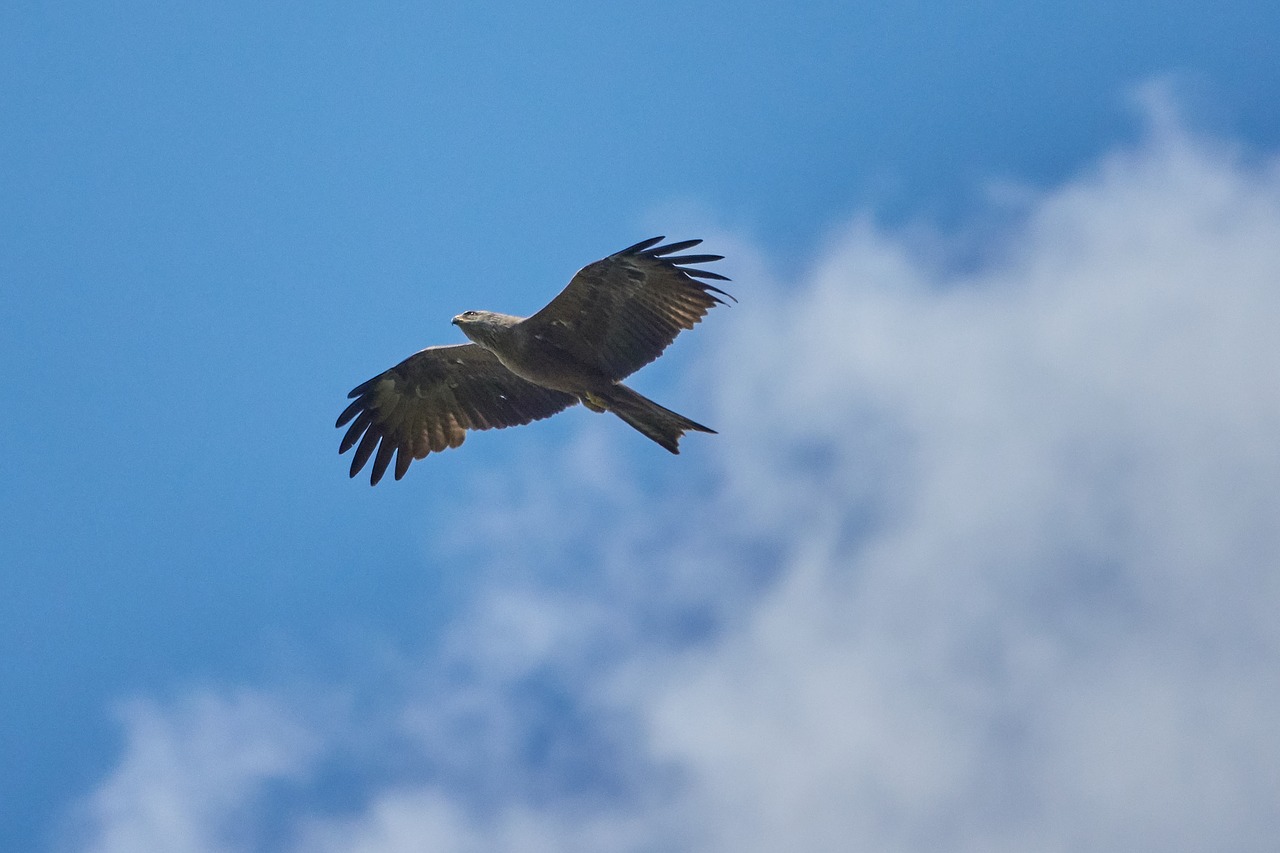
pixel 468 313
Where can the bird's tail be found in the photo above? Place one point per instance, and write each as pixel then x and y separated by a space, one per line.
pixel 662 425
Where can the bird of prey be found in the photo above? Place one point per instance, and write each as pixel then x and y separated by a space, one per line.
pixel 615 316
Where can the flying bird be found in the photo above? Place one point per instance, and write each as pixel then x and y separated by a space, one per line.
pixel 615 316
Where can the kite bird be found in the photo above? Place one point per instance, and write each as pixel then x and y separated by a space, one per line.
pixel 615 316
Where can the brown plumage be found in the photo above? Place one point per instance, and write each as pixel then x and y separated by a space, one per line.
pixel 615 316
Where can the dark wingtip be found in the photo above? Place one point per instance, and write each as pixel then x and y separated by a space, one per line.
pixel 383 458
pixel 641 246
pixel 685 260
pixel 347 414
pixel 714 276
pixel 684 263
pixel 403 458
pixel 679 246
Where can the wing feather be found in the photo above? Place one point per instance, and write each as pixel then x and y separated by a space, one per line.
pixel 404 455
pixel 641 246
pixel 371 438
pixel 671 248
pixel 383 458
pixel 711 275
pixel 357 428
pixel 427 402
pixel 618 314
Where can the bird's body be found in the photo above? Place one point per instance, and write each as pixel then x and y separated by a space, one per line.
pixel 530 355
pixel 615 316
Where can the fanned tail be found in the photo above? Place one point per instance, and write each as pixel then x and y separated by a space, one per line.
pixel 662 425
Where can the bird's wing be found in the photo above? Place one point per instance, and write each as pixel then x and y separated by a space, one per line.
pixel 618 314
pixel 428 402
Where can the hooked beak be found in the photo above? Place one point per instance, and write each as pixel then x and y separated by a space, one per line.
pixel 455 321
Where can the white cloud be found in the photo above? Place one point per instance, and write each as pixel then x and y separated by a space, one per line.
pixel 1060 634
pixel 192 774
pixel 982 560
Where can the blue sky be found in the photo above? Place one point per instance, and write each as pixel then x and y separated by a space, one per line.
pixel 215 220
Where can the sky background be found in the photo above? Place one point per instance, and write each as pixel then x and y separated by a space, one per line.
pixel 984 556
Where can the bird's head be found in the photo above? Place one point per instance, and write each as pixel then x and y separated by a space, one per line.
pixel 483 326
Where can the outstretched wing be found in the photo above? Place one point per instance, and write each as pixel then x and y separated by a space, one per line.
pixel 618 314
pixel 428 402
